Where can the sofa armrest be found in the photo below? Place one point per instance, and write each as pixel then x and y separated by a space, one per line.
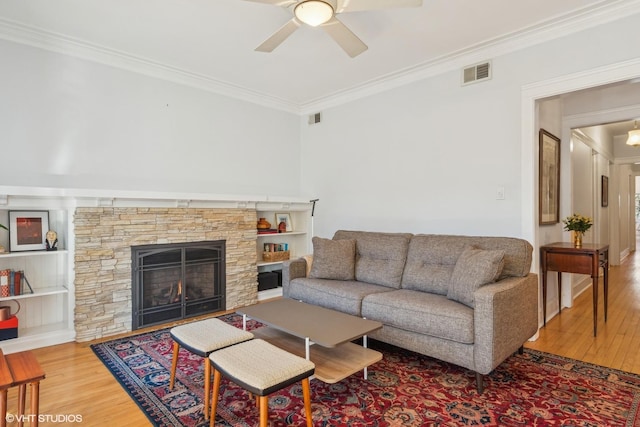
pixel 292 269
pixel 505 317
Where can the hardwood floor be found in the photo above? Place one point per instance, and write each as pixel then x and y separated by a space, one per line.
pixel 78 384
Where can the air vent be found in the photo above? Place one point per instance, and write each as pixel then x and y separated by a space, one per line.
pixel 314 118
pixel 476 73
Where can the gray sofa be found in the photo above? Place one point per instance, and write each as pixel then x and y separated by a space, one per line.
pixel 470 301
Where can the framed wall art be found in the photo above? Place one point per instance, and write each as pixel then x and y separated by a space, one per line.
pixel 605 191
pixel 549 178
pixel 28 230
pixel 286 218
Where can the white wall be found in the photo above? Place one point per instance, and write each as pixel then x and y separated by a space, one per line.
pixel 66 122
pixel 582 184
pixel 425 157
pixel 429 156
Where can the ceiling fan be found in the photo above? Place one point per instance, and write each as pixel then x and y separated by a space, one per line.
pixel 322 13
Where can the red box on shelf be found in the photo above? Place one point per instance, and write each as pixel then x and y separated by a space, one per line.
pixel 9 328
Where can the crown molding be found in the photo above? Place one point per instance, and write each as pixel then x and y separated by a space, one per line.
pixel 585 18
pixel 55 42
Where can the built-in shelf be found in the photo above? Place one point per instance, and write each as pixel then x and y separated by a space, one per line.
pixel 39 292
pixel 288 233
pixel 297 240
pixel 31 253
pixel 270 293
pixel 45 307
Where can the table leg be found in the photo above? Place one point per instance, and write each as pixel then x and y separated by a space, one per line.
pixel 35 402
pixel 3 407
pixel 595 305
pixel 307 344
pixel 366 369
pixel 606 289
pixel 544 297
pixel 22 391
pixel 559 292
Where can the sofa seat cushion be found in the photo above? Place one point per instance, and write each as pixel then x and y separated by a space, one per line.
pixel 380 257
pixel 423 313
pixel 342 295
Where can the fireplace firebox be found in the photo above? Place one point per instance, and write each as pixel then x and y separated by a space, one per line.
pixel 176 281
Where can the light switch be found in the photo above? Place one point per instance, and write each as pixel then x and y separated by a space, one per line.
pixel 500 193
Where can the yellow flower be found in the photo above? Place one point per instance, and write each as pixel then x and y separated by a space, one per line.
pixel 577 222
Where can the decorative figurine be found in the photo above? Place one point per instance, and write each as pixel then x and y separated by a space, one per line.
pixel 52 240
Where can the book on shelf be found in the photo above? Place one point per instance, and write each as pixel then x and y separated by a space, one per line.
pixel 276 247
pixel 267 231
pixel 12 283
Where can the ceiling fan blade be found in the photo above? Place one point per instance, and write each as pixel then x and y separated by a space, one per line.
pixel 344 37
pixel 279 36
pixel 358 5
pixel 283 3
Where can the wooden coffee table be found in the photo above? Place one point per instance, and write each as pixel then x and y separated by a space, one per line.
pixel 319 334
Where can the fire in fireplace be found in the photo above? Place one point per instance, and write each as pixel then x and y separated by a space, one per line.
pixel 176 281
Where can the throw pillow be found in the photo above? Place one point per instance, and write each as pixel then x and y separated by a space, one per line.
pixel 333 259
pixel 474 268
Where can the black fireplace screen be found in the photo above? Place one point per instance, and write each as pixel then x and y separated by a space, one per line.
pixel 177 281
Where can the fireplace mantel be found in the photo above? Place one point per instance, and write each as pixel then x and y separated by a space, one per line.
pixel 19 196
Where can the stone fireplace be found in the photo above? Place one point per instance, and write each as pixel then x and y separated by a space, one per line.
pixel 103 264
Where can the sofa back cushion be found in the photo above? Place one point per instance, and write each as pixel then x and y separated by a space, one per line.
pixel 432 258
pixel 474 268
pixel 333 259
pixel 380 257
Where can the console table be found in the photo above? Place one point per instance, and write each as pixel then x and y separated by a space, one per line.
pixel 565 258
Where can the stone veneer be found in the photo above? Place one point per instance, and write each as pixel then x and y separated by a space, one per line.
pixel 103 240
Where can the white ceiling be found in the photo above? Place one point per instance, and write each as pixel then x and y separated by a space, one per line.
pixel 211 42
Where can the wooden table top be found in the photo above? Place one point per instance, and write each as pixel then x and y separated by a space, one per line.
pixel 6 379
pixel 325 327
pixel 24 367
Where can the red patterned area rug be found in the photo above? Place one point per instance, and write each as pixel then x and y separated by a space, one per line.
pixel 404 389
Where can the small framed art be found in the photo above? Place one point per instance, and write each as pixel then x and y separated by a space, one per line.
pixel 549 178
pixel 605 191
pixel 286 218
pixel 28 230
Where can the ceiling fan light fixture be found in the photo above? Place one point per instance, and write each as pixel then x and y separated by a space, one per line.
pixel 634 136
pixel 313 12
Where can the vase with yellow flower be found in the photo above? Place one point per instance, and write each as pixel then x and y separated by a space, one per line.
pixel 579 224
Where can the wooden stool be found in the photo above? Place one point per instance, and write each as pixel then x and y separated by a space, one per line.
pixel 202 338
pixel 6 381
pixel 262 369
pixel 25 369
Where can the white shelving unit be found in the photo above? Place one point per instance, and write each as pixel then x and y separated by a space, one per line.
pixel 45 316
pixel 298 240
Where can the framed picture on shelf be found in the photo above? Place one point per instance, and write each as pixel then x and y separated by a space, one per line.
pixel 286 218
pixel 549 178
pixel 28 230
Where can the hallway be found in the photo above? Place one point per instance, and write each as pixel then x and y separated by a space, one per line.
pixel 617 345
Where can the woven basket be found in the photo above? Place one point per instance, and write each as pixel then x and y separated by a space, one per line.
pixel 275 256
